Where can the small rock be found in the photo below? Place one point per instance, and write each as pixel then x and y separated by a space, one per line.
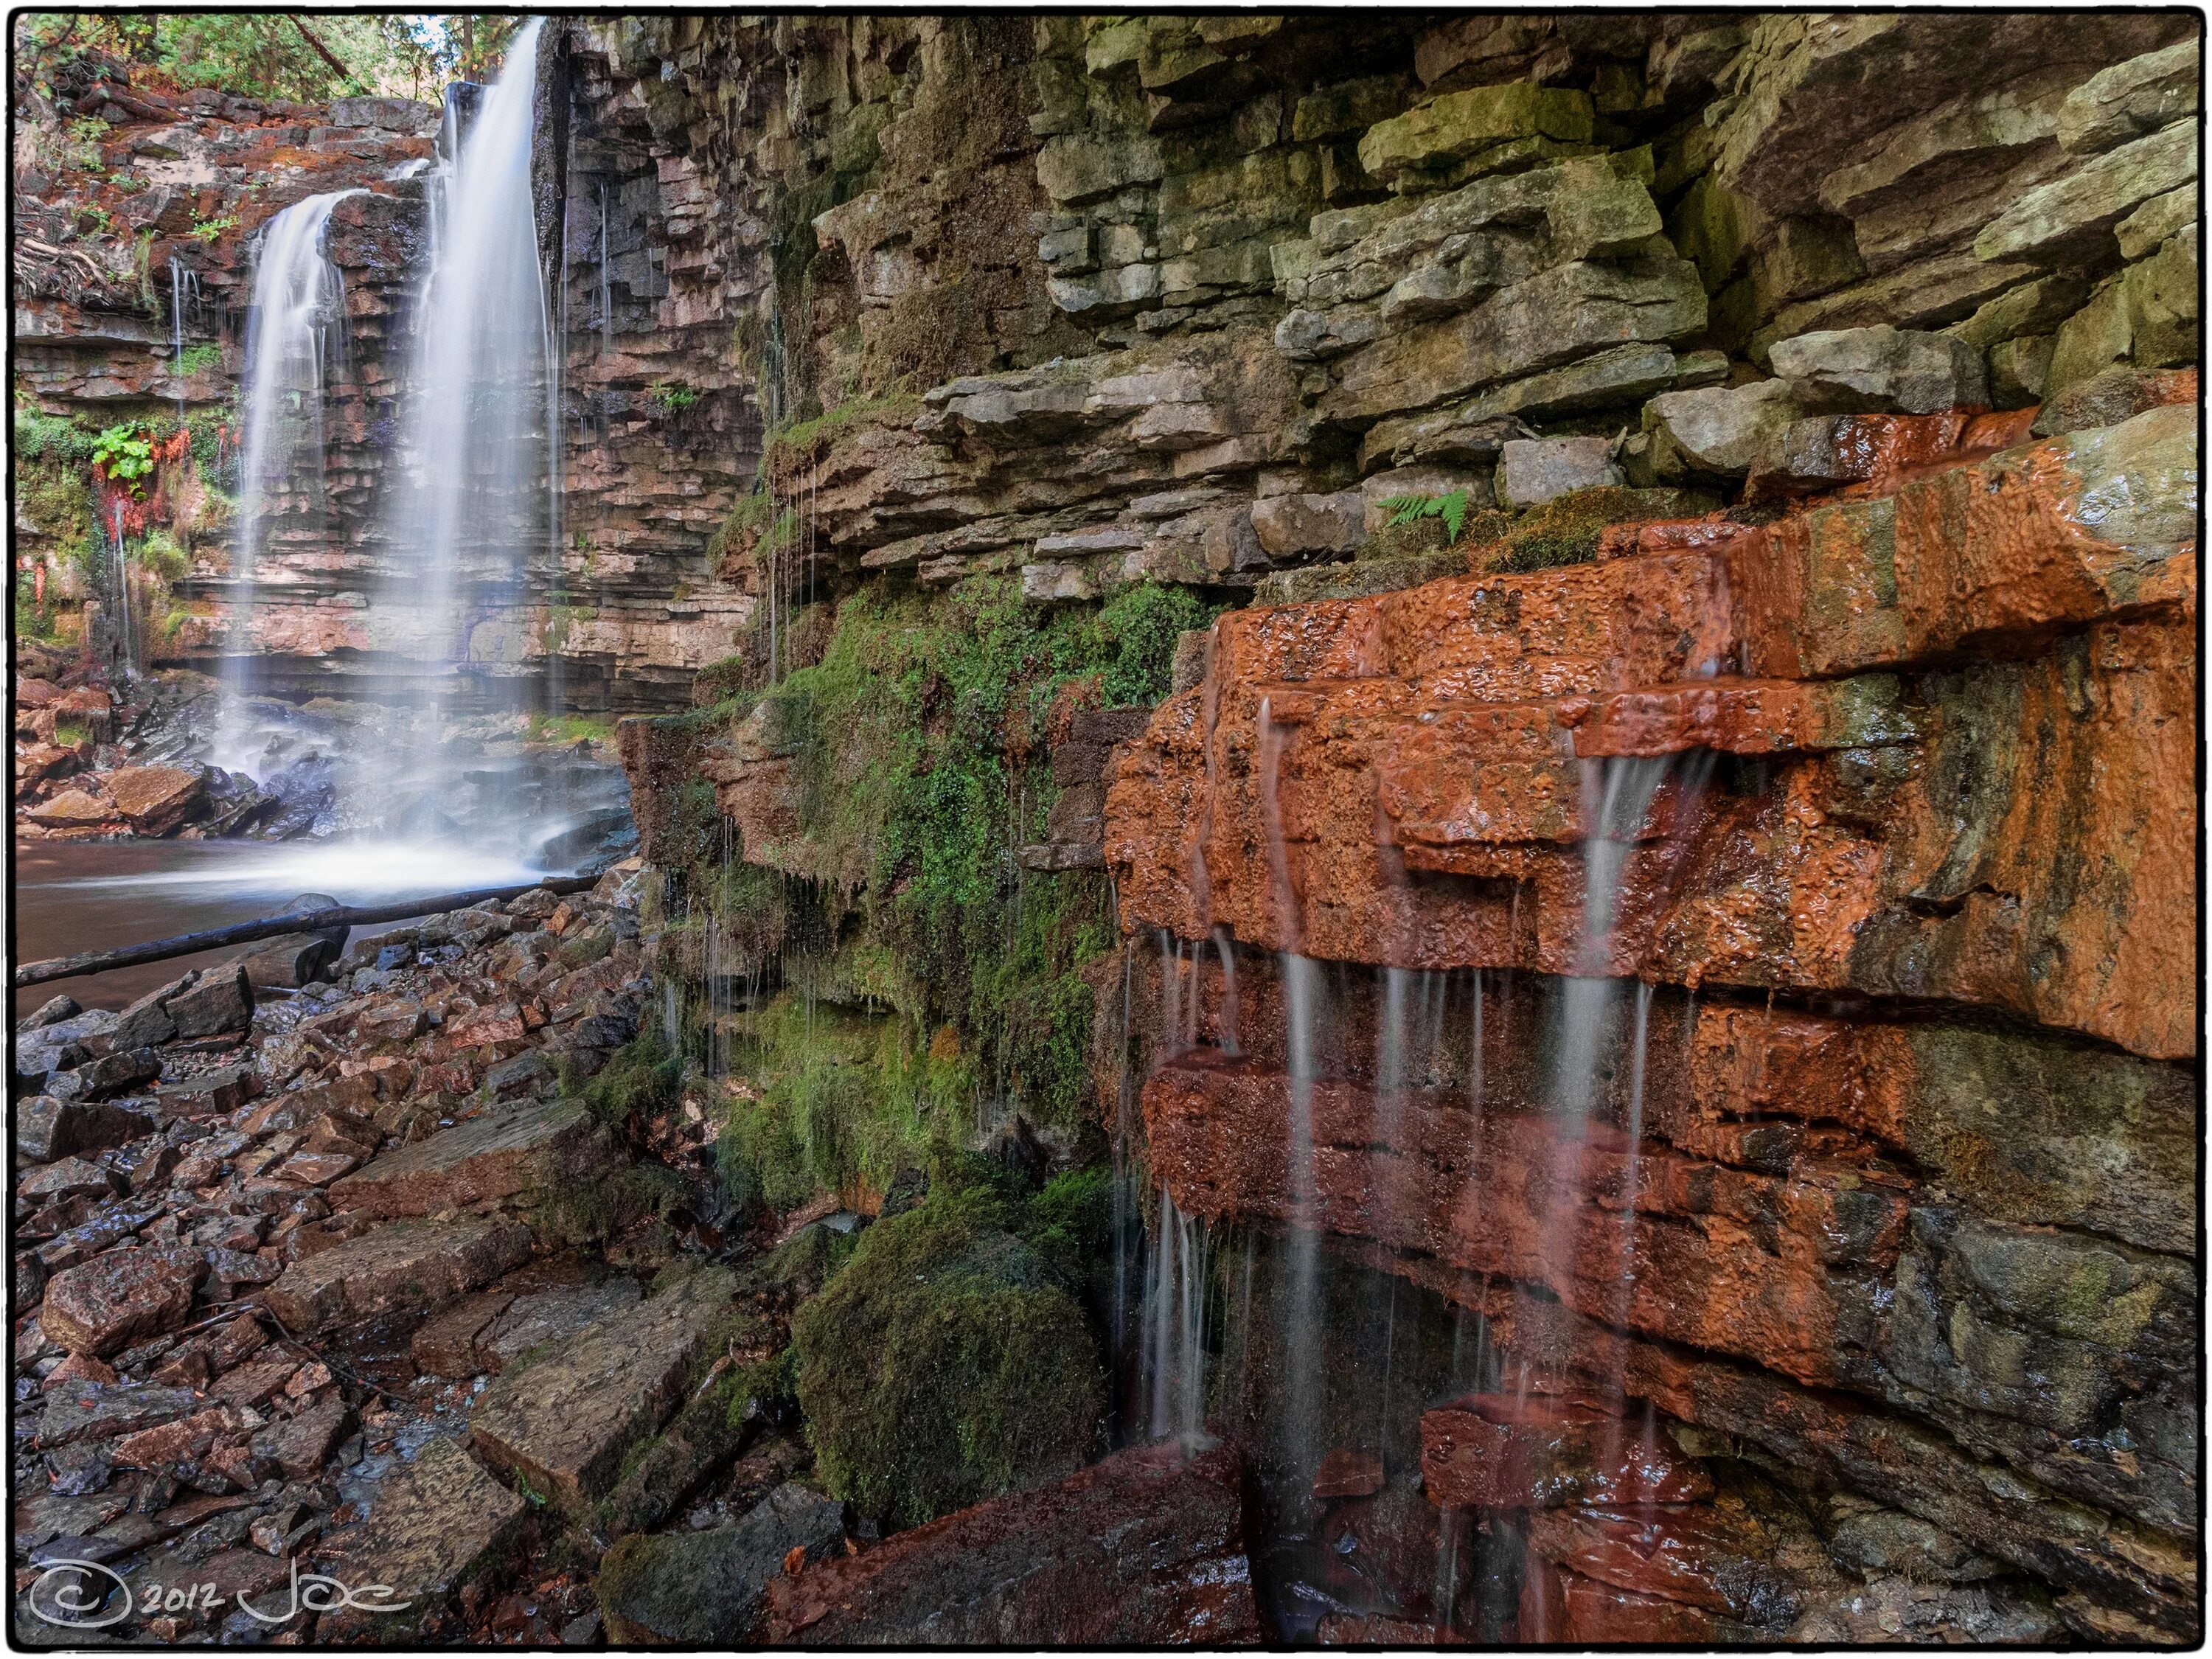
pixel 104 1305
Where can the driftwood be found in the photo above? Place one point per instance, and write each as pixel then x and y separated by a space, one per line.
pixel 301 921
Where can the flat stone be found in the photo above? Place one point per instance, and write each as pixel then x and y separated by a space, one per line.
pixel 710 1588
pixel 1292 526
pixel 95 1411
pixel 1143 1548
pixel 223 1091
pixel 406 1265
pixel 564 1422
pixel 510 1152
pixel 301 1444
pixel 431 1527
pixel 1723 430
pixel 446 1346
pixel 545 1318
pixel 66 1178
pixel 1462 125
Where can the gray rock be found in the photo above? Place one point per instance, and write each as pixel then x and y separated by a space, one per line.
pixel 118 1073
pixel 431 1527
pixel 709 1589
pixel 2128 99
pixel 392 114
pixel 1292 526
pixel 1722 430
pixel 1533 471
pixel 222 1002
pixel 47 1129
pixel 2070 220
pixel 51 1012
pixel 1881 370
pixel 147 1021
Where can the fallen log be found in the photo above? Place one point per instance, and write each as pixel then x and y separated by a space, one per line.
pixel 298 921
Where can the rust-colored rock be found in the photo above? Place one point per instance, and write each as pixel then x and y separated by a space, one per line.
pixel 505 1154
pixel 1538 1451
pixel 111 1301
pixel 1144 1548
pixel 156 799
pixel 1407 779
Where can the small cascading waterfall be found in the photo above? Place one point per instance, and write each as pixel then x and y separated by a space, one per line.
pixel 183 292
pixel 476 467
pixel 293 335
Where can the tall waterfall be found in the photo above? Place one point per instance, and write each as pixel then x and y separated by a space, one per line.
pixel 475 454
pixel 294 334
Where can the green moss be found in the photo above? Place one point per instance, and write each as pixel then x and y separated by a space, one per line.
pixel 1567 530
pixel 641 1078
pixel 794 448
pixel 945 1365
pixel 198 359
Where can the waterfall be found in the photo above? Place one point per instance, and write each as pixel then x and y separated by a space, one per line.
pixel 475 452
pixel 293 332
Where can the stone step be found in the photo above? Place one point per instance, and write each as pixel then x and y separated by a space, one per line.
pixel 1144 1547
pixel 509 1153
pixel 431 1526
pixel 564 1422
pixel 414 1265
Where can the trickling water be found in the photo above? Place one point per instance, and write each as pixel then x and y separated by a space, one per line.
pixel 126 629
pixel 1176 1344
pixel 294 333
pixel 475 450
pixel 184 289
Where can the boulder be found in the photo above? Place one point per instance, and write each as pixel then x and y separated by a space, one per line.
pixel 1533 471
pixel 114 1074
pixel 111 1301
pixel 1722 430
pixel 221 1002
pixel 710 1588
pixel 288 962
pixel 47 1129
pixel 64 1179
pixel 917 1359
pixel 51 1012
pixel 1464 127
pixel 156 799
pixel 1295 526
pixel 1880 369
pixel 1145 1548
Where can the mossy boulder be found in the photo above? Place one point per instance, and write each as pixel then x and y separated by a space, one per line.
pixel 946 1364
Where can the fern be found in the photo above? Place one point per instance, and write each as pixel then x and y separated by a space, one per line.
pixel 1451 508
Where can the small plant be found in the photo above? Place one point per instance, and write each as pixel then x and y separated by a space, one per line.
pixel 123 453
pixel 93 220
pixel 1451 508
pixel 197 360
pixel 672 397
pixel 210 230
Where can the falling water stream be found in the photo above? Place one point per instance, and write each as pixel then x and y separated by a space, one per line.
pixel 294 333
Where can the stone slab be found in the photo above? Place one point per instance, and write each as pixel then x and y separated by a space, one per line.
pixel 431 1527
pixel 564 1422
pixel 504 1154
pixel 408 1265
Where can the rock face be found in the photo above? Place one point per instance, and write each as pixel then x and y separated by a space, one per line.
pixel 1143 1548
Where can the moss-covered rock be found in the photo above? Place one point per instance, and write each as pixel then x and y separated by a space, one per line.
pixel 947 1363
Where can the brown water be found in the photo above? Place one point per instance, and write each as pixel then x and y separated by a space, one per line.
pixel 91 896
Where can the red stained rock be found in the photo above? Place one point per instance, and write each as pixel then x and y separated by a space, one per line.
pixel 500 1022
pixel 407 1265
pixel 1447 732
pixel 115 1299
pixel 395 1020
pixel 506 1153
pixel 1559 1608
pixel 1503 1451
pixel 1143 1548
pixel 156 799
pixel 1770 1267
pixel 255 1383
pixel 1346 1473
